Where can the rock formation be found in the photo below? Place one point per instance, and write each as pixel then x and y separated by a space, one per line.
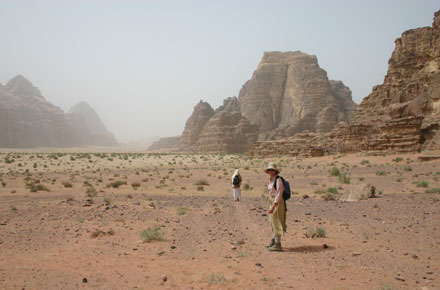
pixel 227 130
pixel 289 91
pixel 400 115
pixel 28 120
pixel 403 113
pixel 167 144
pixel 99 135
pixel 201 114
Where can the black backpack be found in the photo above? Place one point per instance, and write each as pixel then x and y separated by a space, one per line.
pixel 286 193
pixel 236 180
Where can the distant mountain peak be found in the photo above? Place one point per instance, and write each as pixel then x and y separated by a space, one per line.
pixel 21 86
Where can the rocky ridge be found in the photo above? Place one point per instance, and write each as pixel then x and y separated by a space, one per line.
pixel 400 115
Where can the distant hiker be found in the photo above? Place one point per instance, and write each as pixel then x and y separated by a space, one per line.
pixel 236 183
pixel 277 210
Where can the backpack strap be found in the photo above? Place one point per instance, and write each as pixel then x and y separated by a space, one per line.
pixel 275 186
pixel 275 182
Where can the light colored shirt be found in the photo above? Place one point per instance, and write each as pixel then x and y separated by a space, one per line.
pixel 277 193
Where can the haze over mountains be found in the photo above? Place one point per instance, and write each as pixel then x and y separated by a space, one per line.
pixel 28 120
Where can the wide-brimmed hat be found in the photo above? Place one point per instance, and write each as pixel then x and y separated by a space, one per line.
pixel 272 166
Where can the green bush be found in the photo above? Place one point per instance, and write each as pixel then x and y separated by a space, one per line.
pixel 151 234
pixel 335 171
pixel 344 178
pixel 116 184
pixel 202 182
pixel 422 184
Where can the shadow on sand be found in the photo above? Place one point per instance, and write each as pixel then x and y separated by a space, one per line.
pixel 308 249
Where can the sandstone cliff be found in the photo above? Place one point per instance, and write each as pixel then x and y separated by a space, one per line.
pixel 227 130
pixel 405 109
pixel 290 90
pixel 400 115
pixel 288 93
pixel 194 125
pixel 28 120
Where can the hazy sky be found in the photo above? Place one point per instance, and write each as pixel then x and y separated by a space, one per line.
pixel 143 65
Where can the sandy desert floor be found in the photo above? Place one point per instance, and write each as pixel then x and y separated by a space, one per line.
pixel 81 221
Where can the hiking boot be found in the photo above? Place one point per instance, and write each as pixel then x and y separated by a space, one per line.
pixel 272 243
pixel 275 248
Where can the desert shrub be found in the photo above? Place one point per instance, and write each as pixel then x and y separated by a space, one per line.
pixel 91 191
pixel 151 234
pixel 344 178
pixel 433 190
pixel 315 233
pixel 422 184
pixel 313 183
pixel 3 183
pixel 35 186
pixel 332 190
pixel 364 162
pixel 181 211
pixel 200 188
pixel 407 168
pixel 116 184
pixel 202 182
pixel 246 186
pixel 67 184
pixel 97 233
pixel 216 279
pixel 335 171
pixel 328 196
pixel 107 201
pixel 129 196
pixel 381 173
pixel 13 208
pixel 135 185
pixel 397 159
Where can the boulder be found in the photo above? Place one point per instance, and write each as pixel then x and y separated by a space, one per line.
pixel 359 191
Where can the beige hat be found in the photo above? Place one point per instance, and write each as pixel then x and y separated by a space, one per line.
pixel 272 166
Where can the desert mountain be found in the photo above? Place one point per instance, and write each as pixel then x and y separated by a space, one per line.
pixel 287 94
pixel 28 120
pixel 400 115
pixel 99 135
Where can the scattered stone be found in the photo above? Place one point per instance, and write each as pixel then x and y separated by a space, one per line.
pixel 164 278
pixel 85 280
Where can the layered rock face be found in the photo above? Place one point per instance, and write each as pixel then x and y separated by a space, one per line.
pixel 201 114
pixel 99 135
pixel 401 115
pixel 227 130
pixel 28 120
pixel 289 91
